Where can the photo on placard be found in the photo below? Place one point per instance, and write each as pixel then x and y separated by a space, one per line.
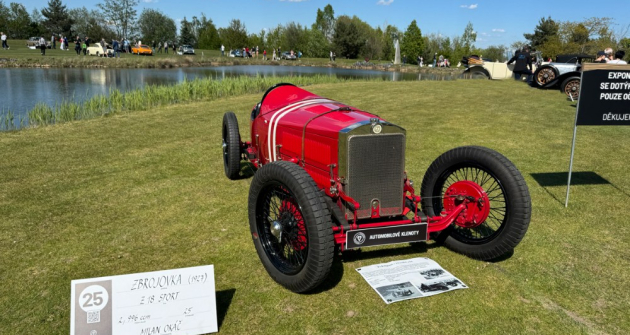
pixel 432 273
pixel 439 286
pixel 397 292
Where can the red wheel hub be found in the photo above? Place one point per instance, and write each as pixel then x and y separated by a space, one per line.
pixel 298 242
pixel 474 197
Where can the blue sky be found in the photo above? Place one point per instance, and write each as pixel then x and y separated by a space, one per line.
pixel 496 22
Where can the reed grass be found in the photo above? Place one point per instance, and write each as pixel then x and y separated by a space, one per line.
pixel 155 96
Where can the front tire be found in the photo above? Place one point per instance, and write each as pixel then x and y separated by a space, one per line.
pixel 544 75
pixel 291 226
pixel 508 200
pixel 231 146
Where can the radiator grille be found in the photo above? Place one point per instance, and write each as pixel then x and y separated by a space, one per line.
pixel 375 171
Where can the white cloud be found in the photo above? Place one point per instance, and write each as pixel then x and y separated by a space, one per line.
pixel 498 30
pixel 150 1
pixel 473 6
pixel 385 2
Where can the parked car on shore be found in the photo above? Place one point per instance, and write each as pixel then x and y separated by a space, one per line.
pixel 142 50
pixel 235 53
pixel 186 50
pixel 97 50
pixel 33 43
pixel 289 55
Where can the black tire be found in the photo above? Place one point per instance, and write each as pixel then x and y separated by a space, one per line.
pixel 510 203
pixel 300 258
pixel 571 87
pixel 478 75
pixel 544 75
pixel 231 146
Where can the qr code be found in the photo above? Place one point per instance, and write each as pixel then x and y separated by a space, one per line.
pixel 94 317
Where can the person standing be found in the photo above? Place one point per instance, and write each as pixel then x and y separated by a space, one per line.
pixel 619 55
pixel 52 41
pixel 523 64
pixel 222 50
pixel 77 45
pixel 264 54
pixel 434 59
pixel 104 46
pixel 165 47
pixel 274 54
pixel 116 47
pixel 84 48
pixel 42 45
pixel 3 37
pixel 153 47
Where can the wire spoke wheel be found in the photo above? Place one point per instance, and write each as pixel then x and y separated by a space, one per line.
pixel 489 228
pixel 491 175
pixel 281 228
pixel 291 226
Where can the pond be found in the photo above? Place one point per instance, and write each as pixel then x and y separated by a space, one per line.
pixel 23 88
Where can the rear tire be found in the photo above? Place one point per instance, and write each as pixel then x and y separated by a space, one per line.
pixel 509 201
pixel 231 146
pixel 291 226
pixel 571 87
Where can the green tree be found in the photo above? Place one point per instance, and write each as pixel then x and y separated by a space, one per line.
pixel 185 33
pixel 495 52
pixel 122 15
pixel 412 43
pixel 325 22
pixel 316 44
pixel 19 21
pixel 235 35
pixel 89 23
pixel 4 14
pixel 388 51
pixel 545 29
pixel 347 40
pixel 56 18
pixel 207 34
pixel 36 28
pixel 155 26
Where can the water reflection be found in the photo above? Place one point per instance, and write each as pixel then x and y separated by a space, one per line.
pixel 23 88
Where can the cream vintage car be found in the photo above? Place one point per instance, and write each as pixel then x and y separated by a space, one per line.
pixel 97 50
pixel 482 69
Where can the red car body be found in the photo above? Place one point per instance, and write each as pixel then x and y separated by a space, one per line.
pixel 356 160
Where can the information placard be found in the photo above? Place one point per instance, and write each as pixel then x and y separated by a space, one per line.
pixel 179 301
pixel 604 95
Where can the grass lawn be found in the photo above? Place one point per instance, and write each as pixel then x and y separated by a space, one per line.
pixel 146 191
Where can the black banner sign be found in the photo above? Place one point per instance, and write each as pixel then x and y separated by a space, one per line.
pixel 604 96
pixel 386 235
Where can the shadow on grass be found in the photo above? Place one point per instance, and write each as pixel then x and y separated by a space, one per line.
pixel 334 277
pixel 247 170
pixel 350 256
pixel 551 179
pixel 224 299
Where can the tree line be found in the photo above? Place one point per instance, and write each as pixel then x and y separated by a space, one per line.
pixel 347 37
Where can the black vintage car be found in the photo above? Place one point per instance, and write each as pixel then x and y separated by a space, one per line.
pixel 564 73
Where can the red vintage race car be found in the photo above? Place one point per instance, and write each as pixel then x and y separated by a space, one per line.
pixel 327 174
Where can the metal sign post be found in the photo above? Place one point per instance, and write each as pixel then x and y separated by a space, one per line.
pixel 604 101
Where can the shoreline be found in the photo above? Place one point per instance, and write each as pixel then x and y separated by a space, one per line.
pixel 194 61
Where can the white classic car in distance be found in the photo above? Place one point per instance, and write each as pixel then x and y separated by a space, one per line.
pixel 97 50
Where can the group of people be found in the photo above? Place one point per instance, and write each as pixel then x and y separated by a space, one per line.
pixel 163 46
pixel 523 61
pixel 607 56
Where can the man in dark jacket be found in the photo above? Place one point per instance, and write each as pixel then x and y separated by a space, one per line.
pixel 523 64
